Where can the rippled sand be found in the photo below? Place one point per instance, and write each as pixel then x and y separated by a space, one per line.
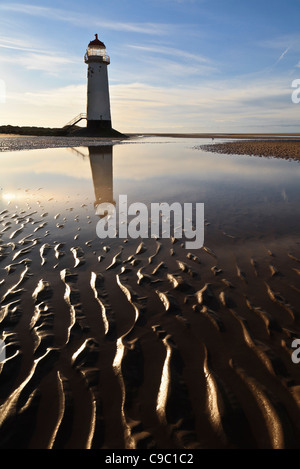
pixel 144 344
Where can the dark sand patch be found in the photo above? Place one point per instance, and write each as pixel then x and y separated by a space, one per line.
pixel 287 149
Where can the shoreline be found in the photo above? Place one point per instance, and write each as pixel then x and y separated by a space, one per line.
pixel 269 145
pixel 23 142
pixel 214 135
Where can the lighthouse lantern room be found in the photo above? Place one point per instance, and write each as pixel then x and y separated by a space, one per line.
pixel 98 102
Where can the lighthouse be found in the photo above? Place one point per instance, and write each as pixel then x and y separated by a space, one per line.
pixel 98 102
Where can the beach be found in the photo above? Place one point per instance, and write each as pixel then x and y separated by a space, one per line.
pixel 143 344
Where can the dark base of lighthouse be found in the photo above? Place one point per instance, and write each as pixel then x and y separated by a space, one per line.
pixel 95 126
pixel 99 128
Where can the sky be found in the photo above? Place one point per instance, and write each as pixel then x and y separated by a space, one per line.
pixel 176 65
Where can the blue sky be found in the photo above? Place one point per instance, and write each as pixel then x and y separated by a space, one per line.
pixel 176 65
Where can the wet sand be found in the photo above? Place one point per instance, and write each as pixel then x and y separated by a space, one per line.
pixel 22 142
pixel 143 344
pixel 267 148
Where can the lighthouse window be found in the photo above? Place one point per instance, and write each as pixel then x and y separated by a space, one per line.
pixel 97 51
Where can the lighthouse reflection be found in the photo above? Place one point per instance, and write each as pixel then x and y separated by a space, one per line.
pixel 101 161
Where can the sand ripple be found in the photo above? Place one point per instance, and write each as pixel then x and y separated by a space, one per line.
pixel 146 346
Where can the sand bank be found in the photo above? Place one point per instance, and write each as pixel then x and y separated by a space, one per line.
pixel 287 149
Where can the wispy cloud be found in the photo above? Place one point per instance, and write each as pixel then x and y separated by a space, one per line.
pixel 17 44
pixel 31 58
pixel 288 43
pixel 282 42
pixel 82 19
pixel 169 63
pixel 45 62
pixel 170 51
pixel 282 56
pixel 49 63
pixel 172 71
pixel 229 105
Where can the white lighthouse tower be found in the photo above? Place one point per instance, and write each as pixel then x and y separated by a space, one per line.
pixel 98 102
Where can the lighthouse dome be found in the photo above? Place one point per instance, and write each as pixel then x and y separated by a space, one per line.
pixel 96 43
pixel 96 52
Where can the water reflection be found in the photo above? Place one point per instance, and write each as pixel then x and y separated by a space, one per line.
pixel 101 161
pixel 242 195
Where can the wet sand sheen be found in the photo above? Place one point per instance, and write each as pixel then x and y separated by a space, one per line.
pixel 146 345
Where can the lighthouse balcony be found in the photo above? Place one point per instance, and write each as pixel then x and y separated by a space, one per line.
pixel 96 55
